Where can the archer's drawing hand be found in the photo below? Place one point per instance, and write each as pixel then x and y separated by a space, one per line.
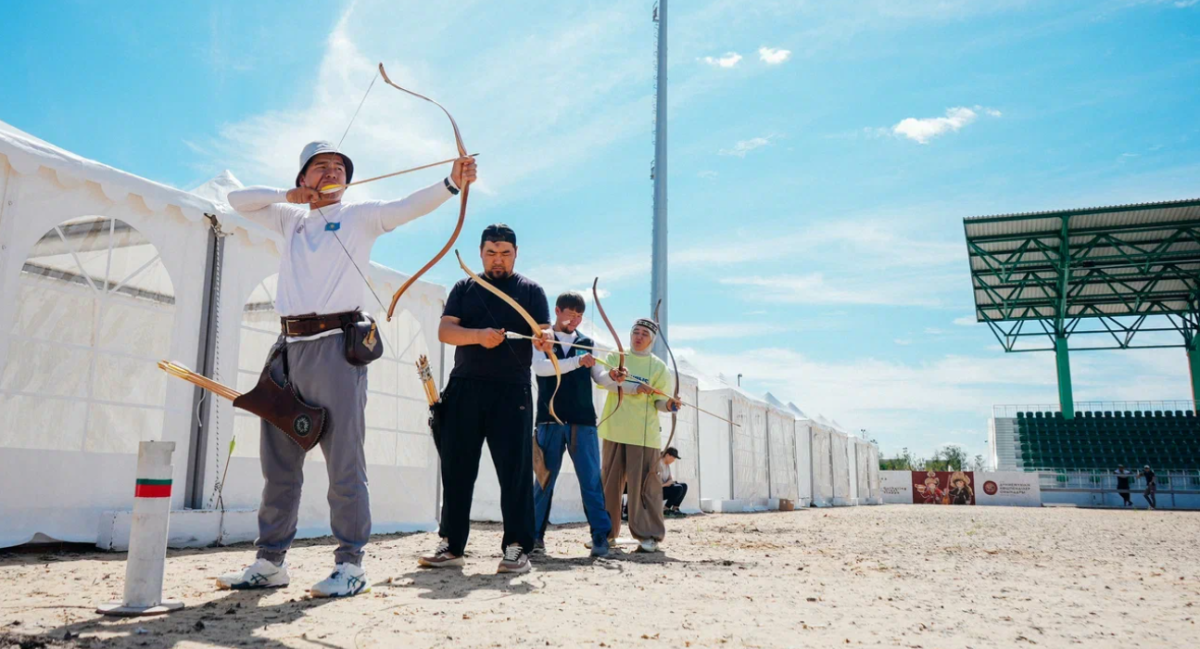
pixel 303 196
pixel 618 375
pixel 544 343
pixel 645 389
pixel 587 360
pixel 490 338
pixel 463 172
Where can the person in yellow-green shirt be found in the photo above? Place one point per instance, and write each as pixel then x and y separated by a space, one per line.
pixel 630 453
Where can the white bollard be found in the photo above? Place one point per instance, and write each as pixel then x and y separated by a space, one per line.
pixel 148 535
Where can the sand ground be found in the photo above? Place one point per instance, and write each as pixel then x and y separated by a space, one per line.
pixel 895 576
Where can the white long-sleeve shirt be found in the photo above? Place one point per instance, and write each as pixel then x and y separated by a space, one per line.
pixel 543 367
pixel 316 276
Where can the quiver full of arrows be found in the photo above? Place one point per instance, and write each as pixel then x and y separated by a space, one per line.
pixel 278 404
pixel 425 373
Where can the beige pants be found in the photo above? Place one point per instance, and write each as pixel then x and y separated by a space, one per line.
pixel 637 466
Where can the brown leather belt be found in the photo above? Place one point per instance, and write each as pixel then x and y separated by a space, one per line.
pixel 311 325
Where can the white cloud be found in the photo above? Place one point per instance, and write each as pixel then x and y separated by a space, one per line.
pixel 773 56
pixel 746 146
pixel 729 60
pixel 966 321
pixel 707 173
pixel 552 100
pixel 924 129
pixel 904 342
pixel 1185 3
pixel 934 331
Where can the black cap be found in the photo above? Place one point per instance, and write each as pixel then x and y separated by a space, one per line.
pixel 672 451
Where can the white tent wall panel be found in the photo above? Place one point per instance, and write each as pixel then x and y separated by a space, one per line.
pixel 876 489
pixel 863 474
pixel 687 441
pixel 804 464
pixel 852 467
pixel 750 469
pixel 78 388
pixel 841 470
pixel 822 467
pixel 716 477
pixel 781 427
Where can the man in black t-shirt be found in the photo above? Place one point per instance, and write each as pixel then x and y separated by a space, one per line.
pixel 489 398
pixel 1151 487
pixel 1123 476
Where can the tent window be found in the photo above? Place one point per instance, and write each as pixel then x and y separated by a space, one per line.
pixel 94 314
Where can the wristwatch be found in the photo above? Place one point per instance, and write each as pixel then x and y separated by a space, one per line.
pixel 449 186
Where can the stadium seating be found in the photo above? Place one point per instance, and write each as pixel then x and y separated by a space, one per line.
pixel 1167 440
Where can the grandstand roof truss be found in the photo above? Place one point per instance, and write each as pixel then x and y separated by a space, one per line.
pixel 1114 272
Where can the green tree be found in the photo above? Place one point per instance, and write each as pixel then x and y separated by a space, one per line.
pixel 953 456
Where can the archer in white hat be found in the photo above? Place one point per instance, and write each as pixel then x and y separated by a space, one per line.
pixel 326 244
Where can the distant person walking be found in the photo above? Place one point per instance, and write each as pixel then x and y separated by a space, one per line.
pixel 1151 486
pixel 1123 476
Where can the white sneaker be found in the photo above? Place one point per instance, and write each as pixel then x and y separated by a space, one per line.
pixel 648 545
pixel 260 574
pixel 346 580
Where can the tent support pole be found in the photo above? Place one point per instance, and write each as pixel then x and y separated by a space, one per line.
pixel 205 355
pixel 767 422
pixel 732 491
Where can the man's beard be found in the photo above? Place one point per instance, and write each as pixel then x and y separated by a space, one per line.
pixel 499 274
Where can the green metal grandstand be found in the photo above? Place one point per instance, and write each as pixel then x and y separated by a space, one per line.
pixel 1126 274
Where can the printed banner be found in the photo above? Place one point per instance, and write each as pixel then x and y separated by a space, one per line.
pixel 943 487
pixel 1010 488
pixel 897 487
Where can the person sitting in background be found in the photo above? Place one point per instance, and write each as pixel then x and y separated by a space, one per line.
pixel 673 492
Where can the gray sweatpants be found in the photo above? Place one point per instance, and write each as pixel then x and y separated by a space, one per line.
pixel 323 377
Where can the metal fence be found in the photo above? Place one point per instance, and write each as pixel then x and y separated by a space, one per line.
pixel 1176 489
pixel 1010 411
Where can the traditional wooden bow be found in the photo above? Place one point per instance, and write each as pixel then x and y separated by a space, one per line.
pixel 674 413
pixel 462 209
pixel 620 349
pixel 534 326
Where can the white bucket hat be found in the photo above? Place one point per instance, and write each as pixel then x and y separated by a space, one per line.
pixel 314 149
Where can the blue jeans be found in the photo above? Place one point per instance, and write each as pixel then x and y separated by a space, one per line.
pixel 585 453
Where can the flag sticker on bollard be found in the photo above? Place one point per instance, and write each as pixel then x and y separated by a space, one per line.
pixel 152 488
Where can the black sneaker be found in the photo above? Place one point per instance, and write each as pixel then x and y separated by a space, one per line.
pixel 539 547
pixel 514 560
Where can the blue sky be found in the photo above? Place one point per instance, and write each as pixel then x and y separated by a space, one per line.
pixel 822 157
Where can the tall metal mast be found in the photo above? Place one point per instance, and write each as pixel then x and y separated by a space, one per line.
pixel 658 272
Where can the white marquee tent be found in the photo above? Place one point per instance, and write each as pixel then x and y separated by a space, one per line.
pixel 103 274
